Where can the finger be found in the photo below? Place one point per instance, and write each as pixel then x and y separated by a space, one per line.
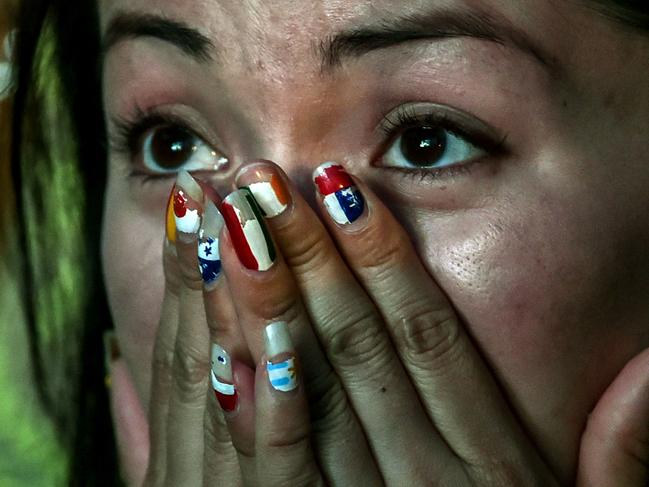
pixel 237 404
pixel 267 293
pixel 131 429
pixel 284 453
pixel 350 330
pixel 190 370
pixel 615 446
pixel 163 352
pixel 230 413
pixel 449 374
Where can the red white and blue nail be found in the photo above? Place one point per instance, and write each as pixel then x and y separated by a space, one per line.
pixel 222 381
pixel 209 259
pixel 341 197
pixel 248 232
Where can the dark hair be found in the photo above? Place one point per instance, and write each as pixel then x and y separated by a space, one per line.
pixel 57 125
pixel 59 46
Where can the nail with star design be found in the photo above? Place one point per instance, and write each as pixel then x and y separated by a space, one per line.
pixel 281 364
pixel 267 187
pixel 209 259
pixel 187 198
pixel 222 380
pixel 342 199
pixel 248 232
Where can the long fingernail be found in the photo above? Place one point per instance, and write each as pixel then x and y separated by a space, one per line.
pixel 209 259
pixel 281 365
pixel 170 219
pixel 187 199
pixel 111 353
pixel 248 231
pixel 267 187
pixel 341 197
pixel 222 380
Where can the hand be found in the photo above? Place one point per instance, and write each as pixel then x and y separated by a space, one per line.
pixel 367 422
pixel 410 373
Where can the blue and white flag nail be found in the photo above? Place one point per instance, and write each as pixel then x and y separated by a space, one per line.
pixel 209 259
pixel 283 376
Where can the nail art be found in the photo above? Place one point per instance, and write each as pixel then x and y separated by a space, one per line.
pixel 222 381
pixel 170 221
pixel 272 196
pixel 249 234
pixel 342 199
pixel 187 194
pixel 209 259
pixel 282 374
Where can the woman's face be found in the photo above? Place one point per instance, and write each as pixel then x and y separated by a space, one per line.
pixel 509 138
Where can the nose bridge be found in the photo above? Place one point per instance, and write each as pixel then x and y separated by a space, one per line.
pixel 297 128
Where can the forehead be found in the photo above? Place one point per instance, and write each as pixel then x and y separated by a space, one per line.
pixel 283 32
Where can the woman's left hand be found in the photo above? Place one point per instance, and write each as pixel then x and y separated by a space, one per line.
pixel 426 402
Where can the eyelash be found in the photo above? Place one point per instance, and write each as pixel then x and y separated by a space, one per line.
pixel 128 132
pixel 397 123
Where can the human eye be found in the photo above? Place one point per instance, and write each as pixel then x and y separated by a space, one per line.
pixel 160 145
pixel 437 139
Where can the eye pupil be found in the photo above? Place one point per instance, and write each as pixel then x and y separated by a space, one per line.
pixel 172 146
pixel 423 146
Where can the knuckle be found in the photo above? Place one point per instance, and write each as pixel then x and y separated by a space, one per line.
pixel 430 339
pixel 162 364
pixel 358 341
pixel 308 253
pixel 190 371
pixel 379 260
pixel 328 405
pixel 280 304
pixel 217 438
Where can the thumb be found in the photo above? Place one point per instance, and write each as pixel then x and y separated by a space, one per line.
pixel 129 419
pixel 615 446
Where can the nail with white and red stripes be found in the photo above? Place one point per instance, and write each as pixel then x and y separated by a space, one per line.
pixel 248 232
pixel 341 197
pixel 222 381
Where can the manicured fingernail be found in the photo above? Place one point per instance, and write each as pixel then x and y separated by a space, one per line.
pixel 187 208
pixel 170 221
pixel 222 381
pixel 209 260
pixel 341 197
pixel 248 231
pixel 111 353
pixel 281 364
pixel 270 193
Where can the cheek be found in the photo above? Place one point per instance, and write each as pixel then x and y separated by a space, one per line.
pixel 538 288
pixel 132 262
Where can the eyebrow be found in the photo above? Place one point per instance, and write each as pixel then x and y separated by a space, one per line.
pixel 124 26
pixel 438 24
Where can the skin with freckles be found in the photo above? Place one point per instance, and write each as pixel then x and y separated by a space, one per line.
pixel 539 241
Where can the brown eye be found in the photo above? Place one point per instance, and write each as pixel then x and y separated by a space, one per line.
pixel 172 146
pixel 422 145
pixel 168 148
pixel 429 147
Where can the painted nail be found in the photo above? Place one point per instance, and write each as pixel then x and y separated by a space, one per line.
pixel 111 353
pixel 170 221
pixel 248 231
pixel 281 365
pixel 187 209
pixel 341 197
pixel 222 381
pixel 209 259
pixel 272 196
